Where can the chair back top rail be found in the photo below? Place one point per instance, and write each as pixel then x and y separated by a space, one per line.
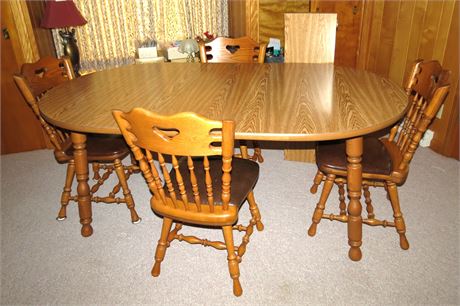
pixel 34 80
pixel 155 139
pixel 232 50
pixel 427 88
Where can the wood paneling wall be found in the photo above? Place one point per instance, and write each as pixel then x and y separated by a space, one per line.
pixel 265 18
pixel 25 46
pixel 271 16
pixel 43 37
pixel 349 14
pixel 395 33
pixel 252 19
pixel 262 19
pixel 236 18
pixel 20 130
pixel 446 137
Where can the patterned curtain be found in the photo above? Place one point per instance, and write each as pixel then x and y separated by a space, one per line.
pixel 115 27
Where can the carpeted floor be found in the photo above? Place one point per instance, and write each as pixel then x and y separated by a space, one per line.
pixel 44 261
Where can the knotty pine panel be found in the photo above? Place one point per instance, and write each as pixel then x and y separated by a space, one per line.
pixel 271 16
pixel 349 13
pixel 446 131
pixel 395 33
pixel 43 36
pixel 252 19
pixel 20 129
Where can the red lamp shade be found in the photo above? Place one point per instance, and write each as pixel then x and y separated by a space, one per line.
pixel 61 14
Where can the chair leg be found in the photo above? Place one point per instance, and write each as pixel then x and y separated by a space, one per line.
pixel 386 190
pixel 65 196
pixel 398 217
pixel 96 167
pixel 163 244
pixel 342 204
pixel 134 162
pixel 255 213
pixel 127 193
pixel 244 149
pixel 319 210
pixel 369 207
pixel 257 156
pixel 316 181
pixel 233 265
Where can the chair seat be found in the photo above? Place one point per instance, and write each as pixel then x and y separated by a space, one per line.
pixel 102 148
pixel 375 159
pixel 244 173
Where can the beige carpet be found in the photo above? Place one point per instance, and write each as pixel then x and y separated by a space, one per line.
pixel 47 262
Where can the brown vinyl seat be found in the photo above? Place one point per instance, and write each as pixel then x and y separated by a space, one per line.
pixel 245 170
pixel 332 155
pixel 206 184
pixel 385 161
pixel 104 152
pixel 99 147
pixel 235 50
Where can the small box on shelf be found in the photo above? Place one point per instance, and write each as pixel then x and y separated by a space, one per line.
pixel 173 54
pixel 147 52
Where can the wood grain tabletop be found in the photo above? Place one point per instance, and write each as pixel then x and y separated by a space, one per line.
pixel 296 102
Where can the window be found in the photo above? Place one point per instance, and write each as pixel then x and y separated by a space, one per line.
pixel 115 27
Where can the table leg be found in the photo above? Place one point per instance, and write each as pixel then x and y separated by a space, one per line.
pixel 244 150
pixel 354 178
pixel 81 172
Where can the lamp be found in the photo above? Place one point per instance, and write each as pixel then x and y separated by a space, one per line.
pixel 189 46
pixel 64 14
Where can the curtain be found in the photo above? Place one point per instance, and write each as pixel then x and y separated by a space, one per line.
pixel 116 27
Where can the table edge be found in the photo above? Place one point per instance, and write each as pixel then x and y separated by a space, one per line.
pixel 255 136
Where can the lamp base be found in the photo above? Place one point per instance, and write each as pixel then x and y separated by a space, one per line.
pixel 71 49
pixel 190 58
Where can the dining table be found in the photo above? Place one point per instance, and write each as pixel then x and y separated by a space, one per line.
pixel 272 102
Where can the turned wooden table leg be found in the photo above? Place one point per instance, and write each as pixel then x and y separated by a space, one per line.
pixel 244 150
pixel 81 173
pixel 354 178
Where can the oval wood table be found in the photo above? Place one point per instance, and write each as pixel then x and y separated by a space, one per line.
pixel 275 102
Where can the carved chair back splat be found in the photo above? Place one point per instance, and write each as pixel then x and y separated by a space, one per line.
pixel 232 50
pixel 34 81
pixel 427 86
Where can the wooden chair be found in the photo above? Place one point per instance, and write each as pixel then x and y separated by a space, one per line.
pixel 235 50
pixel 105 152
pixel 232 50
pixel 309 38
pixel 385 162
pixel 206 185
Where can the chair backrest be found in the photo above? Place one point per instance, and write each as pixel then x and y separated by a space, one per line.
pixel 232 50
pixel 184 135
pixel 35 79
pixel 427 88
pixel 309 38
